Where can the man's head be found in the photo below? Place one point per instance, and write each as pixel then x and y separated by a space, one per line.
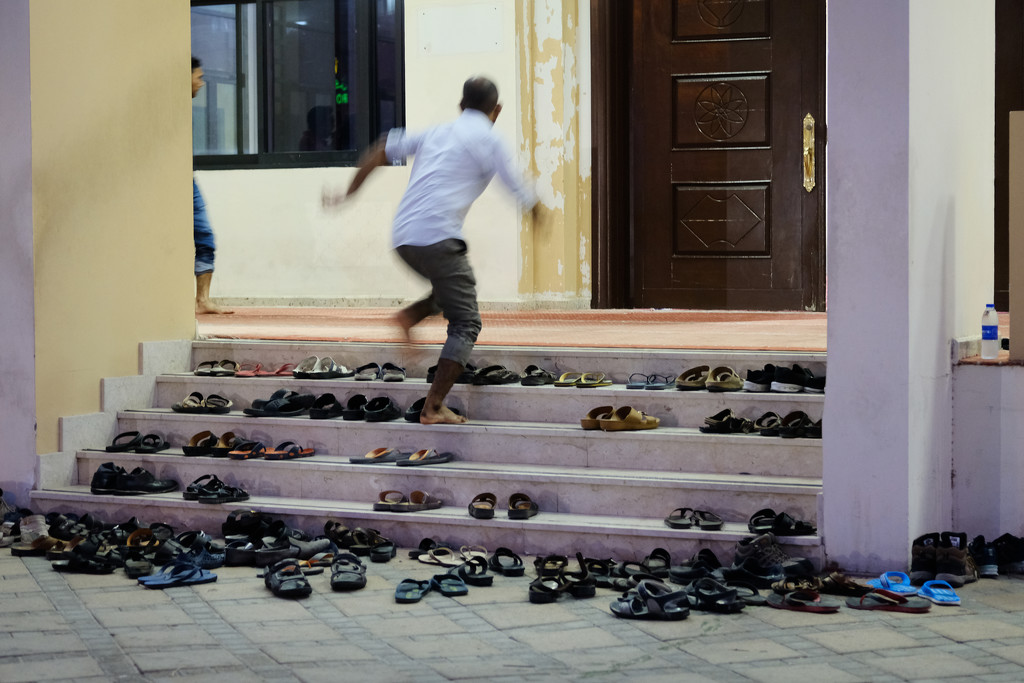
pixel 197 76
pixel 481 94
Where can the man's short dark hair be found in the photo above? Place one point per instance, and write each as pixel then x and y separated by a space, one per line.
pixel 196 63
pixel 479 93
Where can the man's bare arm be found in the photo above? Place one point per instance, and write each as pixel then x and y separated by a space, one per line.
pixel 372 158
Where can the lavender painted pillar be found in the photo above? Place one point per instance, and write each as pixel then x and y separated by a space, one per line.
pixel 17 334
pixel 867 517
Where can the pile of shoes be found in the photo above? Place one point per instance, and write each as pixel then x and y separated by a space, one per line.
pixel 465 567
pixel 253 538
pixel 796 424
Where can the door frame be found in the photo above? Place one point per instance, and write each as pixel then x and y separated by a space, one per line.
pixel 614 270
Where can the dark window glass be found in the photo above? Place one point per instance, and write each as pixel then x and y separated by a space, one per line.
pixel 295 82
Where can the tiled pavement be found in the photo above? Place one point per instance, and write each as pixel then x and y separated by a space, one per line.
pixel 55 626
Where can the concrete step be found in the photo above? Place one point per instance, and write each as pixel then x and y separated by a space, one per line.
pixel 508 403
pixel 667 449
pixel 587 491
pixel 618 536
pixel 618 364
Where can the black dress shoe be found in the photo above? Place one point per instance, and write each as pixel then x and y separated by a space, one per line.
pixel 140 481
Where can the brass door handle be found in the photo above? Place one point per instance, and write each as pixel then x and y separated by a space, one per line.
pixel 808 160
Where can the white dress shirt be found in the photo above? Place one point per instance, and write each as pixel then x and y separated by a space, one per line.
pixel 454 164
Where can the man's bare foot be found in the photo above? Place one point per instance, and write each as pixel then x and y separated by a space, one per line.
pixel 444 416
pixel 203 307
pixel 405 323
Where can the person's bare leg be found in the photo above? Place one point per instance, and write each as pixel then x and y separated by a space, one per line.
pixel 411 316
pixel 434 409
pixel 203 303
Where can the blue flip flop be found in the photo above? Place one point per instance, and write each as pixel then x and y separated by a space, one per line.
pixel 411 590
pixel 178 574
pixel 895 582
pixel 939 592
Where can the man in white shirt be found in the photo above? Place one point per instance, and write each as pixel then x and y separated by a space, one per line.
pixel 454 164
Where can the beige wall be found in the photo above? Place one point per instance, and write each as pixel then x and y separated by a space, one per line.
pixel 111 133
pixel 537 51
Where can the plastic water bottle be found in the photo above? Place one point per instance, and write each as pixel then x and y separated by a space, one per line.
pixel 990 333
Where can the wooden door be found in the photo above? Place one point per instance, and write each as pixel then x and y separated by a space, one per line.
pixel 722 217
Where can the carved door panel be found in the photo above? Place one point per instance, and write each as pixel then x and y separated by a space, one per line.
pixel 722 217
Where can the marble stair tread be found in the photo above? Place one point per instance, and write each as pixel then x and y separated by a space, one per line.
pixel 452 516
pixel 517 427
pixel 491 471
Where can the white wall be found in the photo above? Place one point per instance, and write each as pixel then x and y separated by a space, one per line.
pixel 910 213
pixel 866 477
pixel 952 167
pixel 273 242
pixel 17 334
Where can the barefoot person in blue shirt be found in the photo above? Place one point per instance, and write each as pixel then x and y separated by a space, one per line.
pixel 454 163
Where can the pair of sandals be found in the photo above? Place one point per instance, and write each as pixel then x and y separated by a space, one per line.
pixel 287 579
pixel 687 518
pixel 136 442
pixel 766 521
pixel 210 489
pixel 494 375
pixel 216 368
pixel 194 403
pixel 287 450
pixel 396 501
pixel 639 380
pixel 209 444
pixel 413 590
pixel 652 599
pixel 583 380
pixel 389 372
pixel 626 418
pixel 794 425
pixel 282 403
pixel 554 579
pixel 520 506
pixel 722 378
pixel 320 368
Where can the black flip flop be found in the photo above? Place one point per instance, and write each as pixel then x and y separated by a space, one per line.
pixel 124 442
pixel 152 443
pixel 534 376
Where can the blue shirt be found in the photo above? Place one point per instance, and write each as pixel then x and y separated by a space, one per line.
pixel 454 164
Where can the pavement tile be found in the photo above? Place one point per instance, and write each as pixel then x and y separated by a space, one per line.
pixel 21 622
pixel 298 652
pixel 18 584
pixel 19 645
pixel 134 638
pixel 789 672
pixel 25 603
pixel 501 592
pixel 524 614
pixel 237 590
pixel 862 639
pixel 496 668
pixel 171 659
pixel 357 671
pixel 134 596
pixel 410 626
pixel 269 609
pixel 748 650
pixel 622 660
pixel 975 628
pixel 78 666
pixel 785 618
pixel 306 630
pixel 553 640
pixel 1013 653
pixel 112 617
pixel 204 677
pixel 430 647
pixel 928 665
pixel 360 603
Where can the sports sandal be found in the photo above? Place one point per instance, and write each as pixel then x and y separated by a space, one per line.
pixel 347 573
pixel 534 376
pixel 709 595
pixel 285 579
pixel 494 374
pixel 652 600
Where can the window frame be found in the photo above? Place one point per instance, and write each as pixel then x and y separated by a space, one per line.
pixel 365 69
